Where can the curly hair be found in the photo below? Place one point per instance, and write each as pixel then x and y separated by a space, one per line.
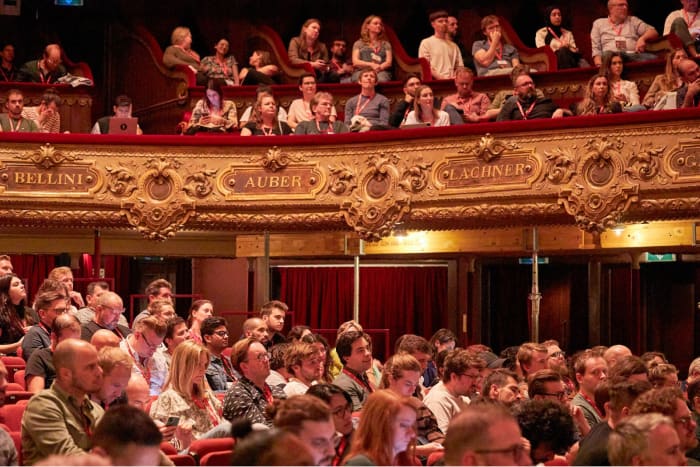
pixel 548 422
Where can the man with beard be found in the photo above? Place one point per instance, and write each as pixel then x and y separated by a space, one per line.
pixel 340 68
pixel 525 105
pixel 461 376
pixel 398 116
pixel 502 386
pixel 305 366
pixel 257 329
pixel 59 420
pixel 220 373
pixel 13 121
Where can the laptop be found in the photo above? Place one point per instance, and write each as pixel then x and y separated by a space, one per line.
pixel 123 125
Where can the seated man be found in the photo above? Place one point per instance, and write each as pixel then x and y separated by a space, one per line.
pixel 40 371
pixel 402 109
pixel 128 436
pixel 60 420
pixel 648 439
pixel 369 104
pixel 685 23
pixel 51 301
pixel 116 371
pixel 305 367
pixel 108 308
pixel 220 373
pixel 92 291
pixel 46 115
pixel 322 122
pixel 13 121
pixel 8 71
pixel 525 105
pixel 439 50
pixel 466 106
pixel 620 32
pixel 46 70
pixel 355 352
pixel 339 65
pixel 491 55
pixel 122 108
pixel 141 345
pixel 689 94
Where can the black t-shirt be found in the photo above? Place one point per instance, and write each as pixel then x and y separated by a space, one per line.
pixel 41 364
pixel 593 448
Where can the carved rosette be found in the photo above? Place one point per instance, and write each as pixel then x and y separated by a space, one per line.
pixel 121 181
pixel 599 193
pixel 644 164
pixel 159 206
pixel 382 194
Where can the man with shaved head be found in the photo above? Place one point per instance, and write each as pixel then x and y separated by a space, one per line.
pixel 616 353
pixel 46 70
pixel 104 338
pixel 40 371
pixel 257 329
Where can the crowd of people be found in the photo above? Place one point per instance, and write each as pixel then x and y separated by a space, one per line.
pixel 616 39
pixel 111 392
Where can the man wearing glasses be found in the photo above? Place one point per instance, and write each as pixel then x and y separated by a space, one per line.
pixel 250 395
pixel 46 70
pixel 108 310
pixel 51 301
pixel 220 373
pixel 141 345
pixel 620 32
pixel 461 377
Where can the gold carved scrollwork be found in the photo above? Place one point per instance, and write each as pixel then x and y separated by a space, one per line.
pixel 160 205
pixel 382 195
pixel 599 194
pixel 47 157
pixel 342 180
pixel 200 184
pixel 488 148
pixel 560 165
pixel 644 164
pixel 121 181
pixel 275 159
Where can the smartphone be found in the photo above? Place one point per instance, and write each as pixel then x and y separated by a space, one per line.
pixel 172 421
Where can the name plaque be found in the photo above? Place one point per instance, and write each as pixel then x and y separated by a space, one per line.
pixel 470 173
pixel 298 182
pixel 27 178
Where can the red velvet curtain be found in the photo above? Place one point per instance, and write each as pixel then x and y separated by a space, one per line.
pixel 33 268
pixel 403 299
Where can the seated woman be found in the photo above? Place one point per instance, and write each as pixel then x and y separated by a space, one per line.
pixel 199 311
pixel 424 110
pixel 372 50
pixel 221 65
pixel 491 55
pixel 560 40
pixel 300 109
pixel 624 91
pixel 322 122
pixel 212 113
pixel 180 52
pixel 187 399
pixel 264 121
pixel 306 48
pixel 668 82
pixel 386 434
pixel 261 71
pixel 598 98
pixel 12 298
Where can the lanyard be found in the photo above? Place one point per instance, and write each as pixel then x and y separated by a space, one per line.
pixel 205 405
pixel 617 31
pixel 359 381
pixel 8 78
pixel 687 19
pixel 526 113
pixel 267 131
pixel 358 108
pixel 14 128
pixel 224 68
pixel 145 371
pixel 327 131
pixel 592 404
pixel 551 31
pixel 267 393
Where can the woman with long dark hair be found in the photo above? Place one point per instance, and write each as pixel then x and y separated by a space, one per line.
pixel 12 299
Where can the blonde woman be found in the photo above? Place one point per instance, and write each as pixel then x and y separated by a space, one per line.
pixel 372 50
pixel 187 399
pixel 180 51
pixel 667 82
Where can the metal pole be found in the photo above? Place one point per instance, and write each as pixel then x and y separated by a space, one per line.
pixel 356 290
pixel 535 295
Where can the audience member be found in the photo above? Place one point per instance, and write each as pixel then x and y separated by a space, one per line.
pixel 257 328
pixel 176 333
pixel 213 113
pixel 525 104
pixel 273 314
pixel 693 391
pixel 340 405
pixel 324 349
pixel 590 369
pixel 310 419
pixel 250 395
pixel 486 434
pixel 92 291
pixel 372 50
pixel 424 110
pixel 622 33
pixel 11 326
pixel 492 56
pixel 624 91
pixel 662 92
pixel 261 70
pixel 127 436
pixel 8 71
pixel 598 98
pixel 199 311
pixel 663 375
pixel 631 368
pixel 369 103
pixel 104 338
pixel 339 67
pixel 278 372
pixel 502 386
pixel 180 52
pixel 122 109
pixel 466 105
pixel 248 112
pixel 221 65
pixel 40 371
pixel 159 289
pixel 108 308
pixel 300 110
pixel 305 367
pixel 61 419
pixel 462 373
pixel 51 301
pixel 265 120
pixel 549 428
pixel 355 352
pixel 45 70
pixel 443 339
pixel 689 94
pixel 386 434
pixel 454 36
pixel 652 357
pixel 531 357
pixel 442 54
pixel 404 106
pixel 46 115
pixel 5 265
pixel 65 274
pixel 141 345
pixel 685 24
pixel 13 121
pixel 270 447
pixel 647 439
pixel 306 48
pixel 220 373
pixel 560 40
pixel 8 451
pixel 188 399
pixel 116 371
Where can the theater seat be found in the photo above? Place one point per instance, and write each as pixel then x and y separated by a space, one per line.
pixel 13 365
pixel 201 447
pixel 168 448
pixel 217 458
pixel 19 379
pixel 182 459
pixel 15 397
pixel 11 415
